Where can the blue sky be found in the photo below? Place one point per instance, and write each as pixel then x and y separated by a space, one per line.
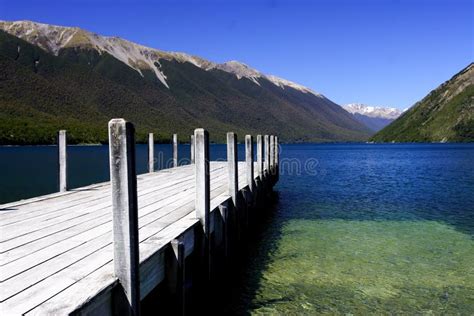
pixel 388 53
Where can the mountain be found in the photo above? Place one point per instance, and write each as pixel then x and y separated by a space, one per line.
pixel 446 114
pixel 374 117
pixel 56 77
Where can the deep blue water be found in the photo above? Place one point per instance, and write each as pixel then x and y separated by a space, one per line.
pixel 357 228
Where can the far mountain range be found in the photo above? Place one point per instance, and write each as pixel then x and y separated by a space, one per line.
pixel 374 117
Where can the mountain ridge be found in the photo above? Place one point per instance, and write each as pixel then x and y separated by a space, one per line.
pixel 53 38
pixel 79 88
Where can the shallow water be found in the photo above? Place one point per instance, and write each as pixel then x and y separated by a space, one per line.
pixel 374 229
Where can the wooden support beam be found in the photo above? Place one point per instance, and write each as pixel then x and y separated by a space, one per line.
pixel 260 166
pixel 224 211
pixel 202 200
pixel 62 161
pixel 175 150
pixel 192 153
pixel 267 154
pixel 151 153
pixel 125 214
pixel 232 160
pixel 249 161
pixel 179 252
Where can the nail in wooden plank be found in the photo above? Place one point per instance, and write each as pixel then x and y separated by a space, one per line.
pixel 249 161
pixel 232 161
pixel 125 212
pixel 62 158
pixel 151 153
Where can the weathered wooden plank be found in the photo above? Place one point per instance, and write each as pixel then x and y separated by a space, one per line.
pixel 162 217
pixel 145 207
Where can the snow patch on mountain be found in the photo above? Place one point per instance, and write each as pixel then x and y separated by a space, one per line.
pixel 52 39
pixel 240 70
pixel 373 111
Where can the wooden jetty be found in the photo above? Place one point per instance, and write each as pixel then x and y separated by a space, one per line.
pixel 101 249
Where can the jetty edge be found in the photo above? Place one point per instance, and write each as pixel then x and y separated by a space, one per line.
pixel 106 248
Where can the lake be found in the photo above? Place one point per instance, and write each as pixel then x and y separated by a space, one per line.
pixel 356 229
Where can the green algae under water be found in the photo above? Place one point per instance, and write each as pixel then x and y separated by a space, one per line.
pixel 385 230
pixel 340 266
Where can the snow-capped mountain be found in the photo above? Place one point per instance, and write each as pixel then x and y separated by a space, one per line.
pixel 373 111
pixel 374 117
pixel 53 38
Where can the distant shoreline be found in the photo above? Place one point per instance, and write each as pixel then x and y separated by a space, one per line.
pixel 291 143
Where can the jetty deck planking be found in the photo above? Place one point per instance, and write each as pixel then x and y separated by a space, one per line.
pixel 57 250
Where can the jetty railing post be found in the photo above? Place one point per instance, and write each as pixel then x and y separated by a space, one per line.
pixel 260 166
pixel 232 166
pixel 249 161
pixel 267 154
pixel 203 190
pixel 277 158
pixel 175 150
pixel 62 161
pixel 151 153
pixel 192 154
pixel 125 214
pixel 272 155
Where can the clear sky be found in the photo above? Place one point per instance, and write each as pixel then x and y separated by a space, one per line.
pixel 385 52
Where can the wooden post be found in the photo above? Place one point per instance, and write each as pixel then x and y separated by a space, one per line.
pixel 62 159
pixel 267 154
pixel 223 209
pixel 260 166
pixel 193 154
pixel 178 249
pixel 277 157
pixel 151 153
pixel 249 161
pixel 203 192
pixel 125 213
pixel 272 154
pixel 232 160
pixel 175 150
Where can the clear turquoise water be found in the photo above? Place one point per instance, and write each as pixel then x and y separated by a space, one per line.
pixel 363 229
pixel 377 229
